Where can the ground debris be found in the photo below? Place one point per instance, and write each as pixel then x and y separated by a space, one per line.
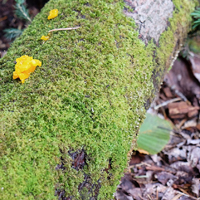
pixel 174 173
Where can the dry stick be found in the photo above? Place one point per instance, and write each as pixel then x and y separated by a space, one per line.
pixel 149 196
pixel 177 196
pixel 156 193
pixel 142 176
pixel 182 96
pixel 140 196
pixel 173 87
pixel 187 195
pixel 181 123
pixel 166 103
pixel 64 29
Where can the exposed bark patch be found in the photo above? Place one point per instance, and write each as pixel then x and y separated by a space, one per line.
pixel 61 195
pixel 151 16
pixel 109 168
pixel 87 189
pixel 60 166
pixel 79 159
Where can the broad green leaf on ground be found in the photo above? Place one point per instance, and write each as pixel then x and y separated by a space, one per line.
pixel 153 134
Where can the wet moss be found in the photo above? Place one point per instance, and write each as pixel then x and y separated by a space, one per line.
pixel 89 92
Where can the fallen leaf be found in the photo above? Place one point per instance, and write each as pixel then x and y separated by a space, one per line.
pixel 153 134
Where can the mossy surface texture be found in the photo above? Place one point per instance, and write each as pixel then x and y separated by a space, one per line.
pixel 88 94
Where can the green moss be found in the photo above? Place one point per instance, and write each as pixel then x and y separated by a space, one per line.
pixel 168 40
pixel 89 92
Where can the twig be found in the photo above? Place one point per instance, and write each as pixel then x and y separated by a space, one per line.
pixel 142 163
pixel 149 196
pixel 182 96
pixel 155 168
pixel 181 123
pixel 64 29
pixel 166 103
pixel 177 196
pixel 156 193
pixel 187 195
pixel 142 176
pixel 140 196
pixel 173 87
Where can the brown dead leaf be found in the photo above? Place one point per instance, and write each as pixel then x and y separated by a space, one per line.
pixel 196 186
pixel 143 151
pixel 182 79
pixel 168 92
pixel 194 157
pixel 190 123
pixel 127 189
pixel 136 158
pixel 164 177
pixel 181 109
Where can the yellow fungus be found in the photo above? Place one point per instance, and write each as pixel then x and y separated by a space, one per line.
pixel 45 38
pixel 24 66
pixel 53 13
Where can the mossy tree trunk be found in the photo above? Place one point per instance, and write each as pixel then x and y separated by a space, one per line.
pixel 70 126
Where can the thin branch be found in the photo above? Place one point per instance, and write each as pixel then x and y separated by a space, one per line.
pixel 166 103
pixel 182 96
pixel 188 195
pixel 64 29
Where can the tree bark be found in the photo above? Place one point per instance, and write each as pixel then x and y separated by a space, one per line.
pixel 68 129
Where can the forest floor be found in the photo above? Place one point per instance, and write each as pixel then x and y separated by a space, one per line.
pixel 174 173
pixel 8 19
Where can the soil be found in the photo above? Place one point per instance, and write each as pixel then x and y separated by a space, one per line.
pixel 8 19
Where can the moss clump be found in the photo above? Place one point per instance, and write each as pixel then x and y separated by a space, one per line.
pixel 89 93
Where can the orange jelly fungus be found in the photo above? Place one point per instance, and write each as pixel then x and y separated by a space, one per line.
pixel 25 65
pixel 45 38
pixel 53 13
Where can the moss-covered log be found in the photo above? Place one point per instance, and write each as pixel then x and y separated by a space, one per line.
pixel 70 126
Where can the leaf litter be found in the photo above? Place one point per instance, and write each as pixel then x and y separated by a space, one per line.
pixel 173 173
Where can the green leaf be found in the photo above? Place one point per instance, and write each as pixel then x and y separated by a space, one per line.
pixel 12 33
pixel 153 134
pixel 22 12
pixel 19 1
pixel 195 14
pixel 195 26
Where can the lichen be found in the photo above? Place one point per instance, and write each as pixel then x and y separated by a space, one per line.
pixel 89 92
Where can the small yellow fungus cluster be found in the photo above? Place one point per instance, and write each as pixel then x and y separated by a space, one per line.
pixel 25 65
pixel 53 13
pixel 45 38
